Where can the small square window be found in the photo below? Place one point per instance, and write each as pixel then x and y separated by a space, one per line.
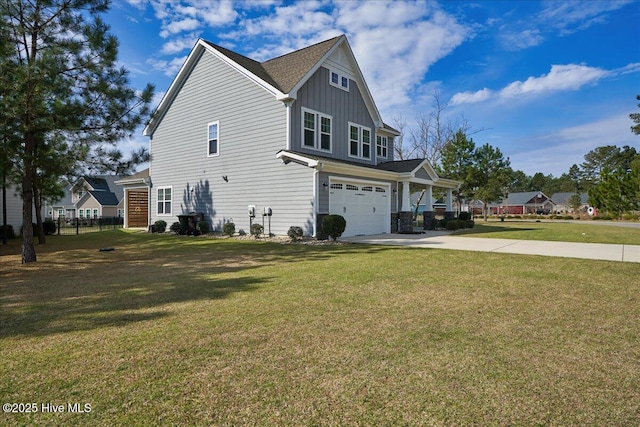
pixel 334 78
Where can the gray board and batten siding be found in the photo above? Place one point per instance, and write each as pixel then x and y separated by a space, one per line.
pixel 343 106
pixel 252 129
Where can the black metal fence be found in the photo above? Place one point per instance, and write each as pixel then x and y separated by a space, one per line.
pixel 72 226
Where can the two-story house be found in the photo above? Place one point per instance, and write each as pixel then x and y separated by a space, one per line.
pixel 89 197
pixel 299 134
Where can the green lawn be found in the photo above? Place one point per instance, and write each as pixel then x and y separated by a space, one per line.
pixel 583 232
pixel 169 330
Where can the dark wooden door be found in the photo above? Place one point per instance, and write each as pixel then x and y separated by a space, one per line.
pixel 137 208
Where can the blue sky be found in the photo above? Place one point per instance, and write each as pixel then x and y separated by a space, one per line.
pixel 547 81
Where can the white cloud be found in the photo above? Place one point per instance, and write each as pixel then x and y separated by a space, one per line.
pixel 216 14
pixel 299 18
pixel 557 18
pixel 168 68
pixel 395 42
pixel 521 40
pixel 471 97
pixel 174 27
pixel 178 45
pixel 395 53
pixel 560 78
pixel 569 17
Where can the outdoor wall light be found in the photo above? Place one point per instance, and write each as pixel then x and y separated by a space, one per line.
pixel 226 178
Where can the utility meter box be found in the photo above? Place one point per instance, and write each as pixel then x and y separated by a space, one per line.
pixel 267 211
pixel 252 211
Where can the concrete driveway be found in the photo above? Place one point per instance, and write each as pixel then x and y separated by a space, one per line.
pixel 444 240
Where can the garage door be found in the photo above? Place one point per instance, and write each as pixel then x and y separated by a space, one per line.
pixel 364 205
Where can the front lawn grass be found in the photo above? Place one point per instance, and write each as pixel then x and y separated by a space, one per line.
pixel 583 232
pixel 169 330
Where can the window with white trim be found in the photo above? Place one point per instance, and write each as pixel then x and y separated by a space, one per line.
pixel 381 146
pixel 213 139
pixel 164 200
pixel 95 213
pixel 359 141
pixel 316 130
pixel 338 80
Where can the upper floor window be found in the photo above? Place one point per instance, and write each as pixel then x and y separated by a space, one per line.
pixel 381 146
pixel 164 200
pixel 316 130
pixel 213 138
pixel 338 80
pixel 359 141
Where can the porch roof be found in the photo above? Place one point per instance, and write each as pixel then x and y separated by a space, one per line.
pixel 399 170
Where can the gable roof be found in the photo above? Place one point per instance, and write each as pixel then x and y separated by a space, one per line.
pixel 105 198
pixel 524 198
pixel 282 76
pixel 564 198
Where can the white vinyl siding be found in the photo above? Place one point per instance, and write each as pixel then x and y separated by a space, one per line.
pixel 213 139
pixel 164 200
pixel 316 130
pixel 252 125
pixel 359 141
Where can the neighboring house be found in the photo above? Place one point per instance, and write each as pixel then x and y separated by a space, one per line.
pixel 136 199
pixel 299 134
pixel 90 197
pixel 563 202
pixel 13 209
pixel 530 202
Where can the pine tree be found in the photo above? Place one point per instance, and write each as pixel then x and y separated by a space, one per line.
pixel 66 86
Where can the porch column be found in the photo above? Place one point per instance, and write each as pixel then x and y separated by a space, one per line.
pixel 429 215
pixel 449 212
pixel 405 202
pixel 405 216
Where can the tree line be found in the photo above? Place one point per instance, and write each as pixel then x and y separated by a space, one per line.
pixel 610 175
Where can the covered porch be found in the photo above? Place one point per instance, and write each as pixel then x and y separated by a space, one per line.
pixel 418 175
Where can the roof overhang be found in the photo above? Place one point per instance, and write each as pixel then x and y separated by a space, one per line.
pixel 336 166
pixel 196 53
pixel 132 181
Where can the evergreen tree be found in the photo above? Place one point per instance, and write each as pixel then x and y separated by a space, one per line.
pixel 490 175
pixel 457 162
pixel 635 117
pixel 65 86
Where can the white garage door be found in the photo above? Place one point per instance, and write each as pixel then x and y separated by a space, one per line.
pixel 365 206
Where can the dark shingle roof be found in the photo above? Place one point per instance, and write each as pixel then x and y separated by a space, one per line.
pixel 285 71
pixel 105 198
pixel 97 182
pixel 400 165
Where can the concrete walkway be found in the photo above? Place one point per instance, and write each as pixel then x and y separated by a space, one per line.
pixel 443 240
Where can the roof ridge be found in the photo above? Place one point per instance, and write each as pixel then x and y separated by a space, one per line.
pixel 297 51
